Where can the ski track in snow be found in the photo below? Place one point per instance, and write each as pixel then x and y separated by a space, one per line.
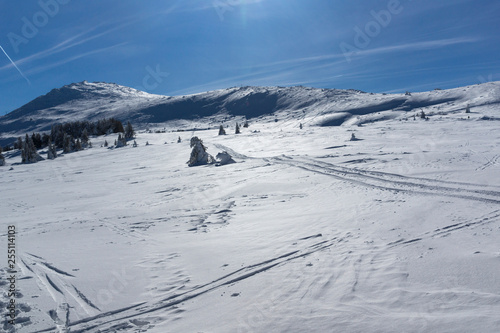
pixel 58 284
pixel 135 316
pixel 394 182
pixel 491 163
pixel 121 317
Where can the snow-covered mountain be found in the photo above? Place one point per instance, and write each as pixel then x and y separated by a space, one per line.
pixel 308 231
pixel 92 101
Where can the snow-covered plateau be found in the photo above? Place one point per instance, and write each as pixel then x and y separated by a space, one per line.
pixel 397 230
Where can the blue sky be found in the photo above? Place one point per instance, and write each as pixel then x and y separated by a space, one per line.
pixel 174 47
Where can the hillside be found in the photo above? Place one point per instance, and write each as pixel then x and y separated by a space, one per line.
pixel 307 232
pixel 316 107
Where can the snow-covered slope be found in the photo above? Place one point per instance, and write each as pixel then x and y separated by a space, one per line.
pixel 323 107
pixel 307 232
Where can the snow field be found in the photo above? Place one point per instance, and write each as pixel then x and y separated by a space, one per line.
pixel 307 232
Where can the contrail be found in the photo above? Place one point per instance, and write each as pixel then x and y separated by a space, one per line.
pixel 14 64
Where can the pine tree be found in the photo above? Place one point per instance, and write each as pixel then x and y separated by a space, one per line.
pixel 29 153
pixel 78 145
pixel 85 138
pixel 51 152
pixel 221 130
pixel 300 126
pixel 422 115
pixel 67 143
pixel 121 141
pixel 135 144
pixel 2 158
pixel 18 144
pixel 179 140
pixel 129 131
pixel 245 125
pixel 237 131
pixel 467 110
pixel 105 143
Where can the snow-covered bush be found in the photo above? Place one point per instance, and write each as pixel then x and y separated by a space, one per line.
pixel 223 159
pixel 199 155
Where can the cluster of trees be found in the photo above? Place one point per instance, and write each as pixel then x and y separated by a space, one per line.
pixel 83 129
pixel 70 137
pixel 237 130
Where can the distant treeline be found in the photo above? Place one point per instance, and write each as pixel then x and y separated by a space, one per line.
pixel 75 129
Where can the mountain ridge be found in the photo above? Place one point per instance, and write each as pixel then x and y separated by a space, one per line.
pixel 314 106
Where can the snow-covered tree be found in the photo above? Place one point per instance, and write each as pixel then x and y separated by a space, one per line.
pixel 85 138
pixel 19 143
pixel 179 140
pixel 51 151
pixel 105 143
pixel 129 131
pixel 422 114
pixel 2 158
pixel 199 155
pixel 221 130
pixel 467 109
pixel 67 143
pixel 29 153
pixel 301 126
pixel 121 141
pixel 245 125
pixel 237 130
pixel 135 144
pixel 78 145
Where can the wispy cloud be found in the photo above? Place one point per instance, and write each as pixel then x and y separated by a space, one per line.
pixel 195 5
pixel 14 64
pixel 70 42
pixel 418 46
pixel 46 67
pixel 316 69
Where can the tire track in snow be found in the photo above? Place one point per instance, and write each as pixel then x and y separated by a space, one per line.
pixel 117 317
pixel 394 182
